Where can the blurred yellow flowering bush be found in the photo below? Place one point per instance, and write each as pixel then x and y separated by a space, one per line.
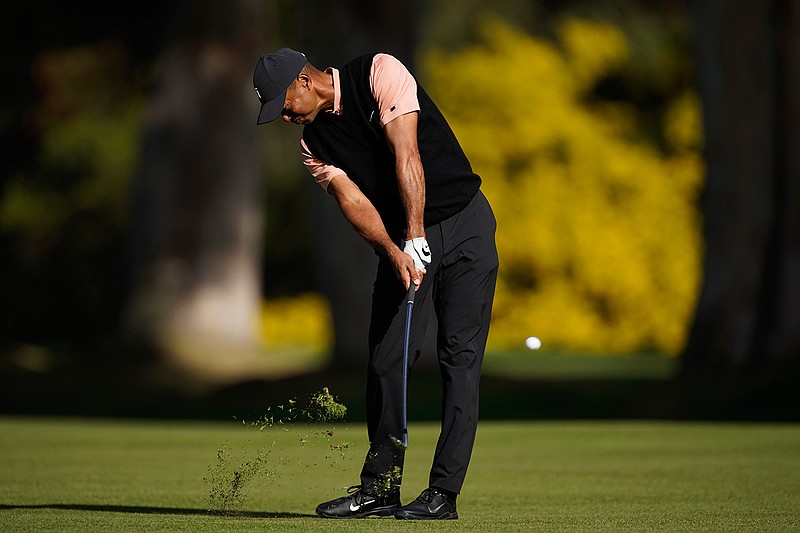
pixel 300 322
pixel 598 230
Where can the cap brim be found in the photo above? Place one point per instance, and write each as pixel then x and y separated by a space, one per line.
pixel 272 109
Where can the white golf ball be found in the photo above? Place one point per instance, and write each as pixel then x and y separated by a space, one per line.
pixel 533 343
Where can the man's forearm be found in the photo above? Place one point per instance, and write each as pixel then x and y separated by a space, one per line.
pixel 411 184
pixel 364 218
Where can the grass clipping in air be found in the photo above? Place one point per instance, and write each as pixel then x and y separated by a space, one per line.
pixel 235 469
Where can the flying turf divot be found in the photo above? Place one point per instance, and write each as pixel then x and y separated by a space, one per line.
pixel 235 469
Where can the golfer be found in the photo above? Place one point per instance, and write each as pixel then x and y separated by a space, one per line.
pixel 376 142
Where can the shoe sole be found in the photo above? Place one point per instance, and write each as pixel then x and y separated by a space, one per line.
pixel 405 515
pixel 379 512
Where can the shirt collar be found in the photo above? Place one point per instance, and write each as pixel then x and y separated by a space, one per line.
pixel 337 92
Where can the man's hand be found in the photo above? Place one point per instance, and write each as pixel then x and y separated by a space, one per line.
pixel 420 252
pixel 405 269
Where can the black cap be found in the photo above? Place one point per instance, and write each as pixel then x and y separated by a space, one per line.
pixel 273 75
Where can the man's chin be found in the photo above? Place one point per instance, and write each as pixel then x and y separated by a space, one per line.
pixel 308 119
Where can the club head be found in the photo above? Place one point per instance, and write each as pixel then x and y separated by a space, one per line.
pixel 399 443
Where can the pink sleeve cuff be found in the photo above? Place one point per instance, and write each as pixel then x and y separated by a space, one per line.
pixel 321 171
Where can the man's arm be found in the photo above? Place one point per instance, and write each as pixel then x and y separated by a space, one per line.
pixel 395 91
pixel 363 216
pixel 401 135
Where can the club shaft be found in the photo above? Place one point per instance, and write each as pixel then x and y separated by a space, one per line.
pixel 406 342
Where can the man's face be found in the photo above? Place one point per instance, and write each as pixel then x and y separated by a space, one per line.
pixel 300 106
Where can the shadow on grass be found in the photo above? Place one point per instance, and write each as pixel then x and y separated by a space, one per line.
pixel 136 509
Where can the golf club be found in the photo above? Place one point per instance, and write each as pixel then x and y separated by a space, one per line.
pixel 406 339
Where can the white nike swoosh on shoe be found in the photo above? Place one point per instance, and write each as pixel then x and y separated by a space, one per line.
pixel 434 511
pixel 354 507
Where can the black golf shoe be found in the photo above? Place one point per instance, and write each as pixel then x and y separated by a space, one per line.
pixel 359 504
pixel 432 504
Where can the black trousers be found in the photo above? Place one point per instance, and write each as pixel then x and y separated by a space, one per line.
pixel 459 288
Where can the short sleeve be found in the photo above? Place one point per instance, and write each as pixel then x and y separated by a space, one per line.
pixel 394 88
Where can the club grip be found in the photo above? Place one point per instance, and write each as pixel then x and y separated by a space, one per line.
pixel 412 290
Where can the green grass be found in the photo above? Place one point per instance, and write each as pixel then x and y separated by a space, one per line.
pixel 122 475
pixel 550 365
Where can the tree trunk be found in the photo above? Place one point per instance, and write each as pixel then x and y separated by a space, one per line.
pixel 335 33
pixel 748 59
pixel 196 220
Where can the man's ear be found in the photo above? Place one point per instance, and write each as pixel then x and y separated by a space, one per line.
pixel 304 80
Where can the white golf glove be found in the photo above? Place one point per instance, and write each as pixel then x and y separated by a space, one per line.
pixel 419 251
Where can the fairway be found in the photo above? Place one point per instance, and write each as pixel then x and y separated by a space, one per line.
pixel 136 475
